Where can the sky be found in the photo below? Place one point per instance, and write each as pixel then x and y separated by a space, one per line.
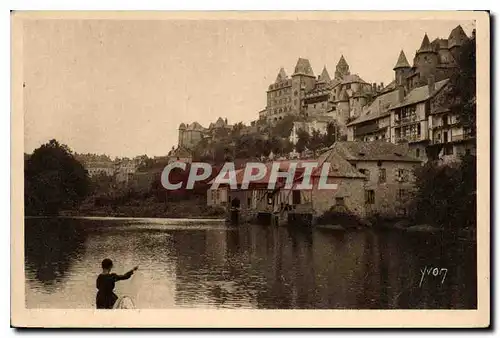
pixel 123 87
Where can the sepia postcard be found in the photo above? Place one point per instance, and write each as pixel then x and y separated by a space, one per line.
pixel 250 169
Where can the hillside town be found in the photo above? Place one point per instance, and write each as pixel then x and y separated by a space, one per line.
pixel 374 135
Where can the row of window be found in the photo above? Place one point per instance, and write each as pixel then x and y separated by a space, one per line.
pixel 281 92
pixel 280 101
pixel 370 196
pixel 281 110
pixel 280 85
pixel 402 175
pixel 403 195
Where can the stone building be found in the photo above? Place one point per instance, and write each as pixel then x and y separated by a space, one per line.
pixel 341 98
pixel 388 170
pixel 406 110
pixel 191 134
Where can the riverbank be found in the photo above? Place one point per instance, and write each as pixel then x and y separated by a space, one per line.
pixel 150 208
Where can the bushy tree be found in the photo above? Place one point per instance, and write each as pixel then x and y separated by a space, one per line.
pixel 302 141
pixel 54 180
pixel 462 93
pixel 446 194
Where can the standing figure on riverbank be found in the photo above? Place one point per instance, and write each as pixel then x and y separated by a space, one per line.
pixel 105 284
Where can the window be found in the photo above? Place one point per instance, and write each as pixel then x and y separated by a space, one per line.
pixel 417 153
pixel 339 201
pixel 448 150
pixel 402 175
pixel 369 197
pixel 296 197
pixel 467 152
pixel 365 172
pixel 249 201
pixel 382 175
pixel 402 194
pixel 348 86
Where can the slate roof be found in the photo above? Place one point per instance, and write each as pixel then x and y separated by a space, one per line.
pixel 420 94
pixel 303 67
pixel 426 45
pixel 352 78
pixel 402 61
pixel 457 37
pixel 324 77
pixel 281 75
pixel 378 108
pixel 339 167
pixel 373 151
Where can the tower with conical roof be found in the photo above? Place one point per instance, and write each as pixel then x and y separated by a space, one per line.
pixel 324 77
pixel 342 68
pixel 303 80
pixel 401 69
pixel 456 40
pixel 426 58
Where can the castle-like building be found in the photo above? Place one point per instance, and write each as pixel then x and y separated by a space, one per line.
pixel 414 108
pixel 191 134
pixel 304 94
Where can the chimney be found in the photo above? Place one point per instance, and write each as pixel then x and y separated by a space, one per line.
pixel 431 83
pixel 374 86
pixel 381 85
pixel 401 93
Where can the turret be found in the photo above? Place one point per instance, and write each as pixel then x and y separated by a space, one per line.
pixel 426 58
pixel 401 69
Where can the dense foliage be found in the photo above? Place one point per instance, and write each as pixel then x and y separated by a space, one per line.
pixel 446 194
pixel 54 180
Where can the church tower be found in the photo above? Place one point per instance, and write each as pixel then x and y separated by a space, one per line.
pixel 342 68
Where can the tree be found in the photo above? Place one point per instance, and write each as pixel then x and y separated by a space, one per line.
pixel 462 89
pixel 283 127
pixel 316 142
pixel 446 194
pixel 303 140
pixel 54 180
pixel 331 134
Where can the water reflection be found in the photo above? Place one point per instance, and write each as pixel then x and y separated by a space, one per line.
pixel 214 266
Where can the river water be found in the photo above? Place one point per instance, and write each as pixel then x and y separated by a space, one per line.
pixel 207 264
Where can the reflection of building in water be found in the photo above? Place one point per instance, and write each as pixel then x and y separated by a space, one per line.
pixel 339 274
pixel 207 271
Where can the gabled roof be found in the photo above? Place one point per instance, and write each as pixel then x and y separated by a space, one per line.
pixel 352 78
pixel 378 108
pixel 402 61
pixel 303 67
pixel 339 167
pixel 373 151
pixel 457 37
pixel 420 94
pixel 281 75
pixel 195 126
